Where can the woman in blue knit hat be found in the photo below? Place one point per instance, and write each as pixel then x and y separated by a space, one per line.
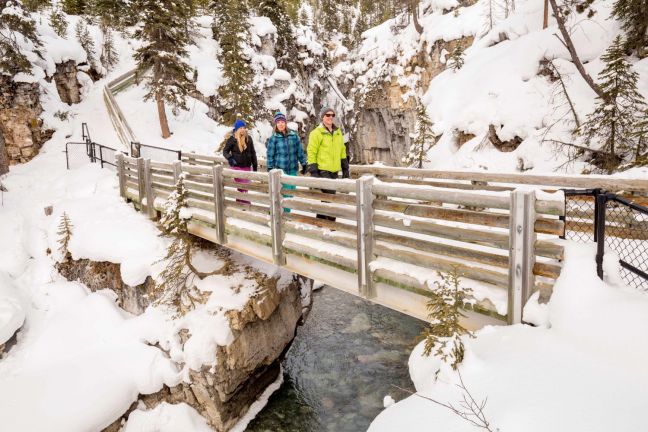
pixel 284 150
pixel 240 154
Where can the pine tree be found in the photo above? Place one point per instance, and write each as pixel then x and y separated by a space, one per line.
pixel 74 7
pixel 443 337
pixel 423 140
pixel 164 39
pixel 113 14
pixel 108 57
pixel 64 235
pixel 238 92
pixel 285 48
pixel 615 117
pixel 633 15
pixel 85 40
pixel 17 31
pixel 329 17
pixel 58 22
pixel 36 5
pixel 456 58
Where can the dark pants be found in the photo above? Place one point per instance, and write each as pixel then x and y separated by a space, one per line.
pixel 329 175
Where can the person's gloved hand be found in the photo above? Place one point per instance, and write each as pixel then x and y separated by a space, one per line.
pixel 313 169
pixel 345 168
pixel 304 169
pixel 232 161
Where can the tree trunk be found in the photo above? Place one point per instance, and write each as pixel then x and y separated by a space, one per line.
pixel 414 9
pixel 545 22
pixel 569 44
pixel 164 123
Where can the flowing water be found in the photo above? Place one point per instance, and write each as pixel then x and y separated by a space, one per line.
pixel 341 365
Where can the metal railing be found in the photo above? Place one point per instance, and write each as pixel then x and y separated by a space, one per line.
pixel 615 224
pixel 159 154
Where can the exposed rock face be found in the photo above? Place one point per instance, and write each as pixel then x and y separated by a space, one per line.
pixel 387 119
pixel 263 330
pixel 106 275
pixel 21 133
pixel 68 86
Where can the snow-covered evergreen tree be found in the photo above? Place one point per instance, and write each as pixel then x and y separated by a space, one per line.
pixel 58 21
pixel 443 337
pixel 423 140
pixel 163 53
pixel 285 49
pixel 456 58
pixel 64 235
pixel 108 57
pixel 231 31
pixel 17 36
pixel 633 15
pixel 615 118
pixel 85 40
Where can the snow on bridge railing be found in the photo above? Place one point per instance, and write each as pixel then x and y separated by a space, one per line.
pixel 393 236
pixel 120 124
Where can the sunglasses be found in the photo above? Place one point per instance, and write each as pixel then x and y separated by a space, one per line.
pixel 329 115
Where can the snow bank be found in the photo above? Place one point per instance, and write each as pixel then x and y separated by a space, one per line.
pixel 12 314
pixel 587 369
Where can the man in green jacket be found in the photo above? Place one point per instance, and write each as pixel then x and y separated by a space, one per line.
pixel 327 152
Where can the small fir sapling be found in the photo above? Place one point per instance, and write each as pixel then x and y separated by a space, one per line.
pixel 423 139
pixel 443 337
pixel 64 235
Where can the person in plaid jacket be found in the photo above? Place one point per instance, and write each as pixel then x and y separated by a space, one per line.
pixel 284 150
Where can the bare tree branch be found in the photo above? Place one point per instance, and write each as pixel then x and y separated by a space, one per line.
pixel 564 91
pixel 566 38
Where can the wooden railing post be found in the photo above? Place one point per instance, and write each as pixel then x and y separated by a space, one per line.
pixel 219 204
pixel 177 170
pixel 148 187
pixel 276 210
pixel 121 173
pixel 521 252
pixel 364 219
pixel 141 188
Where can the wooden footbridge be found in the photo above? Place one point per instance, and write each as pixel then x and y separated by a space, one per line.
pixel 395 227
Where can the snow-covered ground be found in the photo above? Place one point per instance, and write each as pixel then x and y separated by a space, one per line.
pixel 583 370
pixel 80 361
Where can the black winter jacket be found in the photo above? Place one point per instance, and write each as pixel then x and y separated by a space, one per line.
pixel 243 160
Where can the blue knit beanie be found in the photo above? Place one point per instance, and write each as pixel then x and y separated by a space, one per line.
pixel 279 116
pixel 238 124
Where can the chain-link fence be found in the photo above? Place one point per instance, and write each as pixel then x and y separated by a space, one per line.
pixel 77 154
pixel 158 154
pixel 626 233
pixel 616 225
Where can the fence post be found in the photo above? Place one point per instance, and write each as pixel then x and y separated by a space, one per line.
pixel 599 231
pixel 219 204
pixel 177 170
pixel 364 220
pixel 121 174
pixel 148 185
pixel 521 252
pixel 140 182
pixel 276 210
pixel 101 160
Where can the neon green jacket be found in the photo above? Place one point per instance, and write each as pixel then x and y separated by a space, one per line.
pixel 326 149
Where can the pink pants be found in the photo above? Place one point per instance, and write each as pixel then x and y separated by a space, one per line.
pixel 242 181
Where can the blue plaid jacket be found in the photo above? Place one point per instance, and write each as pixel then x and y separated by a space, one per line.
pixel 285 152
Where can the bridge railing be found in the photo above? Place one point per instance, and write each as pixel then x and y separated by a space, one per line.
pixel 389 234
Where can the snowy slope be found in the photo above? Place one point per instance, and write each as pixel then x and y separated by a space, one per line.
pixel 499 83
pixel 583 371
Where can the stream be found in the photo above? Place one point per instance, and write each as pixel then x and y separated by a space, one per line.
pixel 344 360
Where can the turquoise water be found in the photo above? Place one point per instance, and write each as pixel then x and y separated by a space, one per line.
pixel 344 360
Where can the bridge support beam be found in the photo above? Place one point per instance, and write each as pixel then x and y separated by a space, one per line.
pixel 219 204
pixel 521 252
pixel 364 219
pixel 276 210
